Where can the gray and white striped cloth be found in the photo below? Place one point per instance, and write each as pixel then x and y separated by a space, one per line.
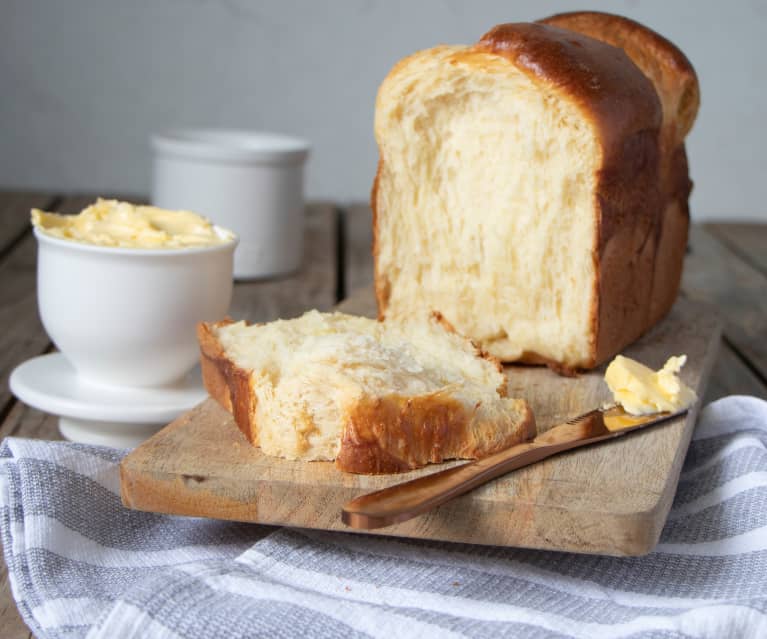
pixel 81 565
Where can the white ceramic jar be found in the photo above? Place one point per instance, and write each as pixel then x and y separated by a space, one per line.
pixel 125 316
pixel 247 181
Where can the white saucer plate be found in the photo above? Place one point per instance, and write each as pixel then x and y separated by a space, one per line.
pixel 95 414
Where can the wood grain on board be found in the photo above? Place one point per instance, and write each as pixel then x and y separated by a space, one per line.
pixel 607 499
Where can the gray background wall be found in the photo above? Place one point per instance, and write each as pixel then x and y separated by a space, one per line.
pixel 84 83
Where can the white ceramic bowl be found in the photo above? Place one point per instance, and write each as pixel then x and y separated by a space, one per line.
pixel 247 181
pixel 124 316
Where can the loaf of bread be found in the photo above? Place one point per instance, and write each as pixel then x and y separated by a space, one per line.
pixel 533 187
pixel 375 397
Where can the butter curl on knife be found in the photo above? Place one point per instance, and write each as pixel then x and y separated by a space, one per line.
pixel 641 390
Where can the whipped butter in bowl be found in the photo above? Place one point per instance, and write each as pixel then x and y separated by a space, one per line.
pixel 125 225
pixel 122 287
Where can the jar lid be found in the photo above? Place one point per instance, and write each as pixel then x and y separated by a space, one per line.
pixel 231 145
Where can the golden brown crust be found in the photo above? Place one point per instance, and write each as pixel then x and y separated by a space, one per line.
pixel 396 434
pixel 600 78
pixel 661 61
pixel 228 384
pixel 658 266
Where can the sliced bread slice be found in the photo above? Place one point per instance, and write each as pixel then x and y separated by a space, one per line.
pixel 376 397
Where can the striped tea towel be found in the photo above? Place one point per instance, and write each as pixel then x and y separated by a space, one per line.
pixel 81 565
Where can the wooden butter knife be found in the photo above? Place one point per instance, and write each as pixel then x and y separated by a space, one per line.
pixel 404 501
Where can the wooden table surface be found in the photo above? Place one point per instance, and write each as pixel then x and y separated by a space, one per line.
pixel 726 265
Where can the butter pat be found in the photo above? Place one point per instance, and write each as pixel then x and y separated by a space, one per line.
pixel 641 390
pixel 120 224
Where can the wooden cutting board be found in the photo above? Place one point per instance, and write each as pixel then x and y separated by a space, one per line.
pixel 612 498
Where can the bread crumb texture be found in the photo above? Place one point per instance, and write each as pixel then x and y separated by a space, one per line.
pixel 496 177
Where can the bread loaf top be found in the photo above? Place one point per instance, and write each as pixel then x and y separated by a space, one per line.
pixel 602 79
pixel 614 94
pixel 659 59
pixel 672 75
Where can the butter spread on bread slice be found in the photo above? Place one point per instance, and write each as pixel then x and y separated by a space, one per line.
pixel 375 397
pixel 533 187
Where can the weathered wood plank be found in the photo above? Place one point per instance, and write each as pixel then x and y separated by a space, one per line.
pixel 14 215
pixel 21 333
pixel 25 421
pixel 313 286
pixel 730 376
pixel 738 291
pixel 358 256
pixel 749 241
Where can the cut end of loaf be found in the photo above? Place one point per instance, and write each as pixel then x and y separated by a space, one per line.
pixel 496 179
pixel 375 397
